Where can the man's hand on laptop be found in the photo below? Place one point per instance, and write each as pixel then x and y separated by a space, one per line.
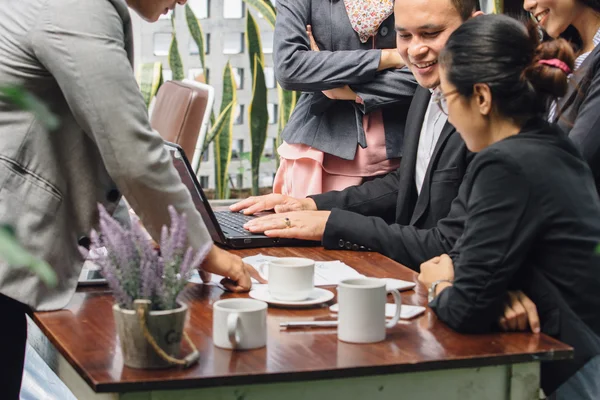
pixel 278 202
pixel 237 273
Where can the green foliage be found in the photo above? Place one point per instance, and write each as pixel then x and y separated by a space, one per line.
pixel 287 102
pixel 27 101
pixel 498 6
pixel 16 256
pixel 259 119
pixel 258 115
pixel 150 79
pixel 265 7
pixel 222 132
pixel 174 57
pixel 197 35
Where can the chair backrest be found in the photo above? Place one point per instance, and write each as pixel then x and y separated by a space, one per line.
pixel 180 112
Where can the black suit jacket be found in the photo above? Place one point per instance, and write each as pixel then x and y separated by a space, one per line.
pixel 387 215
pixel 533 223
pixel 579 113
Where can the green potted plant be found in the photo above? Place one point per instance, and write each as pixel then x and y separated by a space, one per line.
pixel 146 283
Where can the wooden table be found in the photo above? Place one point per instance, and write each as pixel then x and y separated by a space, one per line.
pixel 420 359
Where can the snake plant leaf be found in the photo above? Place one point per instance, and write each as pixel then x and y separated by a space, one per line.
pixel 287 102
pixel 25 100
pixel 265 7
pixel 253 42
pixel 498 6
pixel 197 34
pixel 223 135
pixel 174 57
pixel 259 120
pixel 150 79
pixel 13 254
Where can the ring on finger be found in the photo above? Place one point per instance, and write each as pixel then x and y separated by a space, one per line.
pixel 288 223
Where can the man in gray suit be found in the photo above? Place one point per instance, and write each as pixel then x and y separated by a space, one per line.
pixel 76 56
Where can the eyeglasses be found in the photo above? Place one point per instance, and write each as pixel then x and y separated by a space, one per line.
pixel 440 99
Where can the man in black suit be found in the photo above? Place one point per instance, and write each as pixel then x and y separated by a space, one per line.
pixel 408 215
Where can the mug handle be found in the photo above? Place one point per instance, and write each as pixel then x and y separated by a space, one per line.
pixel 233 329
pixel 398 300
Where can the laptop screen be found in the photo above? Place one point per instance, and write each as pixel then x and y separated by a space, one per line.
pixel 200 201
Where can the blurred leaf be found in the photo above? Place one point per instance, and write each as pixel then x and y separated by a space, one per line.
pixel 174 57
pixel 197 34
pixel 224 135
pixel 265 7
pixel 28 102
pixel 259 120
pixel 150 80
pixel 253 42
pixel 498 6
pixel 16 256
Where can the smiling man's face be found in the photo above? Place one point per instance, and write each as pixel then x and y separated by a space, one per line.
pixel 151 10
pixel 422 29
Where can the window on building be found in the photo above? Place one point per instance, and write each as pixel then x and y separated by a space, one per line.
pixel 193 47
pixel 238 149
pixel 267 41
pixel 162 41
pixel 238 115
pixel 270 78
pixel 233 43
pixel 201 8
pixel 272 110
pixel 233 9
pixel 238 75
pixel 204 180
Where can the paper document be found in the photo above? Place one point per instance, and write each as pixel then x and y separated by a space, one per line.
pixel 327 273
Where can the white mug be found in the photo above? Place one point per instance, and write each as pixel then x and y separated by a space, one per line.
pixel 291 278
pixel 361 314
pixel 240 324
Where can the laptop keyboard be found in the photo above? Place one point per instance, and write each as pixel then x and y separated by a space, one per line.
pixel 234 222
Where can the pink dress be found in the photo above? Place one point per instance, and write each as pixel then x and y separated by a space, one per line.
pixel 305 171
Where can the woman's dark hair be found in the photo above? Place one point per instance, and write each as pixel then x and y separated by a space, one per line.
pixel 504 53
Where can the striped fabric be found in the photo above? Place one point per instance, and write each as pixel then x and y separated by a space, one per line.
pixel 578 61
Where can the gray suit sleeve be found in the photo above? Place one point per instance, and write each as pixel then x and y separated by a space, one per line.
pixel 387 88
pixel 297 67
pixel 82 44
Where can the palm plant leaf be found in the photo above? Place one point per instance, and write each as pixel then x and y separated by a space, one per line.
pixel 149 79
pixel 265 7
pixel 174 57
pixel 197 35
pixel 24 100
pixel 259 119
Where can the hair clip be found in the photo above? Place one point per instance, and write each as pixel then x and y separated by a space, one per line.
pixel 556 63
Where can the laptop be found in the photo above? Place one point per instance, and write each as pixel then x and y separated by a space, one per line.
pixel 225 227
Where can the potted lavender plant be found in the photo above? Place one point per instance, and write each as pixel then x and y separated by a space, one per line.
pixel 145 285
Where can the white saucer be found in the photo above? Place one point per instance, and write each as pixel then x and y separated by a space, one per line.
pixel 318 296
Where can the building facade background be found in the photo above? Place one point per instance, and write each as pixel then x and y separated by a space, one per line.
pixel 224 25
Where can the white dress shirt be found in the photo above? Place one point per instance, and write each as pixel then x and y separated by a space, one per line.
pixel 433 123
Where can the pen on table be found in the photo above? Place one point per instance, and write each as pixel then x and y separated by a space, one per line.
pixel 308 324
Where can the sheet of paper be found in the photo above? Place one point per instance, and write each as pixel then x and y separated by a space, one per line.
pixel 326 273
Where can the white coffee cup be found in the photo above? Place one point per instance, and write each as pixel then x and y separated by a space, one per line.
pixel 361 315
pixel 240 324
pixel 291 278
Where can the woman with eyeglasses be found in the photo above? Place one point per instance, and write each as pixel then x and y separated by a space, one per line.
pixel 533 213
pixel 577 111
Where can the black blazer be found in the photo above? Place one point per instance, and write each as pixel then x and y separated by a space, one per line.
pixel 533 223
pixel 579 114
pixel 387 215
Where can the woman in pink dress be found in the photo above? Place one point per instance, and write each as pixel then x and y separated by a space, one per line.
pixel 348 125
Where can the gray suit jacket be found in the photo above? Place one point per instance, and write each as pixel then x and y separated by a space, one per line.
pixel 335 127
pixel 76 56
